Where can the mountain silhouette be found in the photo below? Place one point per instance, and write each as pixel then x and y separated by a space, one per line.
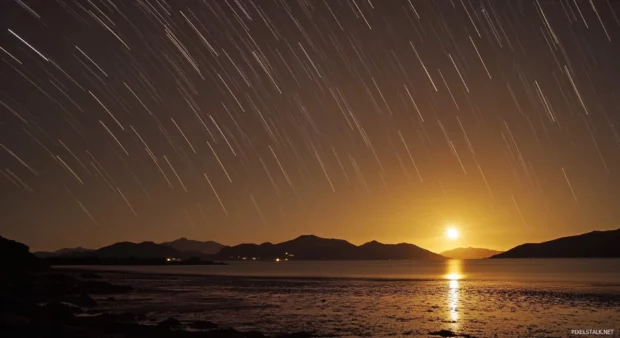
pixel 588 245
pixel 137 250
pixel 68 251
pixel 62 252
pixel 377 250
pixel 310 247
pixel 470 253
pixel 187 245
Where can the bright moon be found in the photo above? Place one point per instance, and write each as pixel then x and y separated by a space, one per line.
pixel 452 233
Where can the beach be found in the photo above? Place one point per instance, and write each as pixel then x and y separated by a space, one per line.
pixel 459 303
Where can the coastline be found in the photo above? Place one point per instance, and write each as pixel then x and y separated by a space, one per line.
pixel 516 271
pixel 61 303
pixel 74 269
pixel 197 305
pixel 354 307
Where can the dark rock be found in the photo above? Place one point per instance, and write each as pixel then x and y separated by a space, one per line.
pixel 135 330
pixel 51 286
pixel 448 333
pixel 301 334
pixel 202 325
pixel 16 259
pixel 82 300
pixel 59 310
pixel 169 323
pixel 90 275
pixel 13 304
pixel 103 288
pixel 226 333
pixel 117 317
pixel 14 321
pixel 443 333
pixel 58 277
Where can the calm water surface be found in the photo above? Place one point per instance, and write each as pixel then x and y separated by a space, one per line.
pixel 509 270
pixel 481 298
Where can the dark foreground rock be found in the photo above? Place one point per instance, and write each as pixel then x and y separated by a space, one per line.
pixel 82 300
pixel 90 275
pixel 103 288
pixel 15 258
pixel 448 333
pixel 169 323
pixel 121 317
pixel 54 305
pixel 202 325
pixel 104 328
pixel 60 311
pixel 297 335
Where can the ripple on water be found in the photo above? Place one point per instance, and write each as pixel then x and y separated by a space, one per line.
pixel 373 307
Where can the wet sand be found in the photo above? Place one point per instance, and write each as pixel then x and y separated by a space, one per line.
pixel 371 307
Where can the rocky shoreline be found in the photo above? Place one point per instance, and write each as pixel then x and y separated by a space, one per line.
pixel 50 304
pixel 38 301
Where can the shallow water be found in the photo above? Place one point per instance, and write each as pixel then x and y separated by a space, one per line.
pixel 486 298
pixel 605 271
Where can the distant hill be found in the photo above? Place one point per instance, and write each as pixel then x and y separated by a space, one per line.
pixel 44 254
pixel 68 251
pixel 92 260
pixel 187 245
pixel 122 253
pixel 470 253
pixel 310 247
pixel 589 245
pixel 137 250
pixel 182 247
pixel 376 250
pixel 62 252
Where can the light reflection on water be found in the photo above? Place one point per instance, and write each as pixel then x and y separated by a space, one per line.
pixel 454 273
pixel 477 297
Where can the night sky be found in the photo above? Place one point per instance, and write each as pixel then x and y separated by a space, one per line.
pixel 252 121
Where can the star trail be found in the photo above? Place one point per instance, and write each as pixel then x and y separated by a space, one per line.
pixel 239 120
